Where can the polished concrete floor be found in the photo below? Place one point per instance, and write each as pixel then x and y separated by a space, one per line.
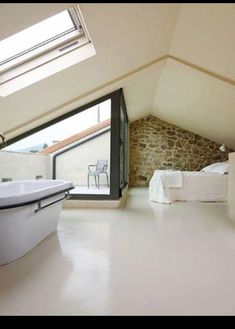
pixel 79 189
pixel 143 259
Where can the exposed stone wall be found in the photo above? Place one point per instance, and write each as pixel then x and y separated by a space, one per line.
pixel 156 144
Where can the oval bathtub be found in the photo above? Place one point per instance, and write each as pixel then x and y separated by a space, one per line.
pixel 29 212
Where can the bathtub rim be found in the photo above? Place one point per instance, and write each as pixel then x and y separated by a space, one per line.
pixel 38 199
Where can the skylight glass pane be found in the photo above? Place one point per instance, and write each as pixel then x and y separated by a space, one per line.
pixel 35 35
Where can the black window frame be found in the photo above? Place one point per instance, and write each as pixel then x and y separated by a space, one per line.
pixel 124 144
pixel 117 101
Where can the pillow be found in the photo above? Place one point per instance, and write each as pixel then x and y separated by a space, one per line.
pixel 221 169
pixel 218 167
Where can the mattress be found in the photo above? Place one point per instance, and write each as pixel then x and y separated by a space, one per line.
pixel 195 186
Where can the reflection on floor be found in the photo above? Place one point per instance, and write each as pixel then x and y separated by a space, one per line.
pixel 91 190
pixel 145 258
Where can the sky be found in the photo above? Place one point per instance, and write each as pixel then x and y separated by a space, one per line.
pixel 65 128
pixel 34 35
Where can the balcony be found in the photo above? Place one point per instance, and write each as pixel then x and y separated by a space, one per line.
pixel 68 160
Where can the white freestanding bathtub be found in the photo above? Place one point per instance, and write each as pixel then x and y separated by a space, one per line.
pixel 29 212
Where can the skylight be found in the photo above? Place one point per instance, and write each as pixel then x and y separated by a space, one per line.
pixel 40 44
pixel 48 32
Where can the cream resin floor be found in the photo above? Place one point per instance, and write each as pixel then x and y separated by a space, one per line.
pixel 143 259
pixel 91 190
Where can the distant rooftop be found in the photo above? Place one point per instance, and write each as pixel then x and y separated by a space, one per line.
pixel 76 137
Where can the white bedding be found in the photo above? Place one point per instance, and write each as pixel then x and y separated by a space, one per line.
pixel 167 186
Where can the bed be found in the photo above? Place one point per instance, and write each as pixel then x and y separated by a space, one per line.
pixel 208 185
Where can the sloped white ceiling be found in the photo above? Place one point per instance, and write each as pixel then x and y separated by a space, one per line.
pixel 204 35
pixel 201 100
pixel 125 36
pixel 129 39
pixel 196 102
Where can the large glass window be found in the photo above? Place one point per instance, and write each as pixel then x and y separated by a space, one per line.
pixel 62 133
pixel 87 146
pixel 86 160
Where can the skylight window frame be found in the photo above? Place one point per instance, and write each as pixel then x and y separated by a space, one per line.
pixel 59 46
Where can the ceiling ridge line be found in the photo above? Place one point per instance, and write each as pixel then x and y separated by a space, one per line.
pixel 86 94
pixel 203 70
pixel 124 76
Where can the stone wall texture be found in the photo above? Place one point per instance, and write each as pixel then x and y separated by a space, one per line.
pixel 156 144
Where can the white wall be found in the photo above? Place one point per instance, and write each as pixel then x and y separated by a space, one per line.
pixel 23 166
pixel 72 165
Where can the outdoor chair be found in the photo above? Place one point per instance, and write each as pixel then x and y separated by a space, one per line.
pixel 100 168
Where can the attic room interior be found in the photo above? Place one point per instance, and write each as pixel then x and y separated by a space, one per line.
pixel 117 175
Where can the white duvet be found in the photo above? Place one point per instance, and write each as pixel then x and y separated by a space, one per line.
pixel 167 186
